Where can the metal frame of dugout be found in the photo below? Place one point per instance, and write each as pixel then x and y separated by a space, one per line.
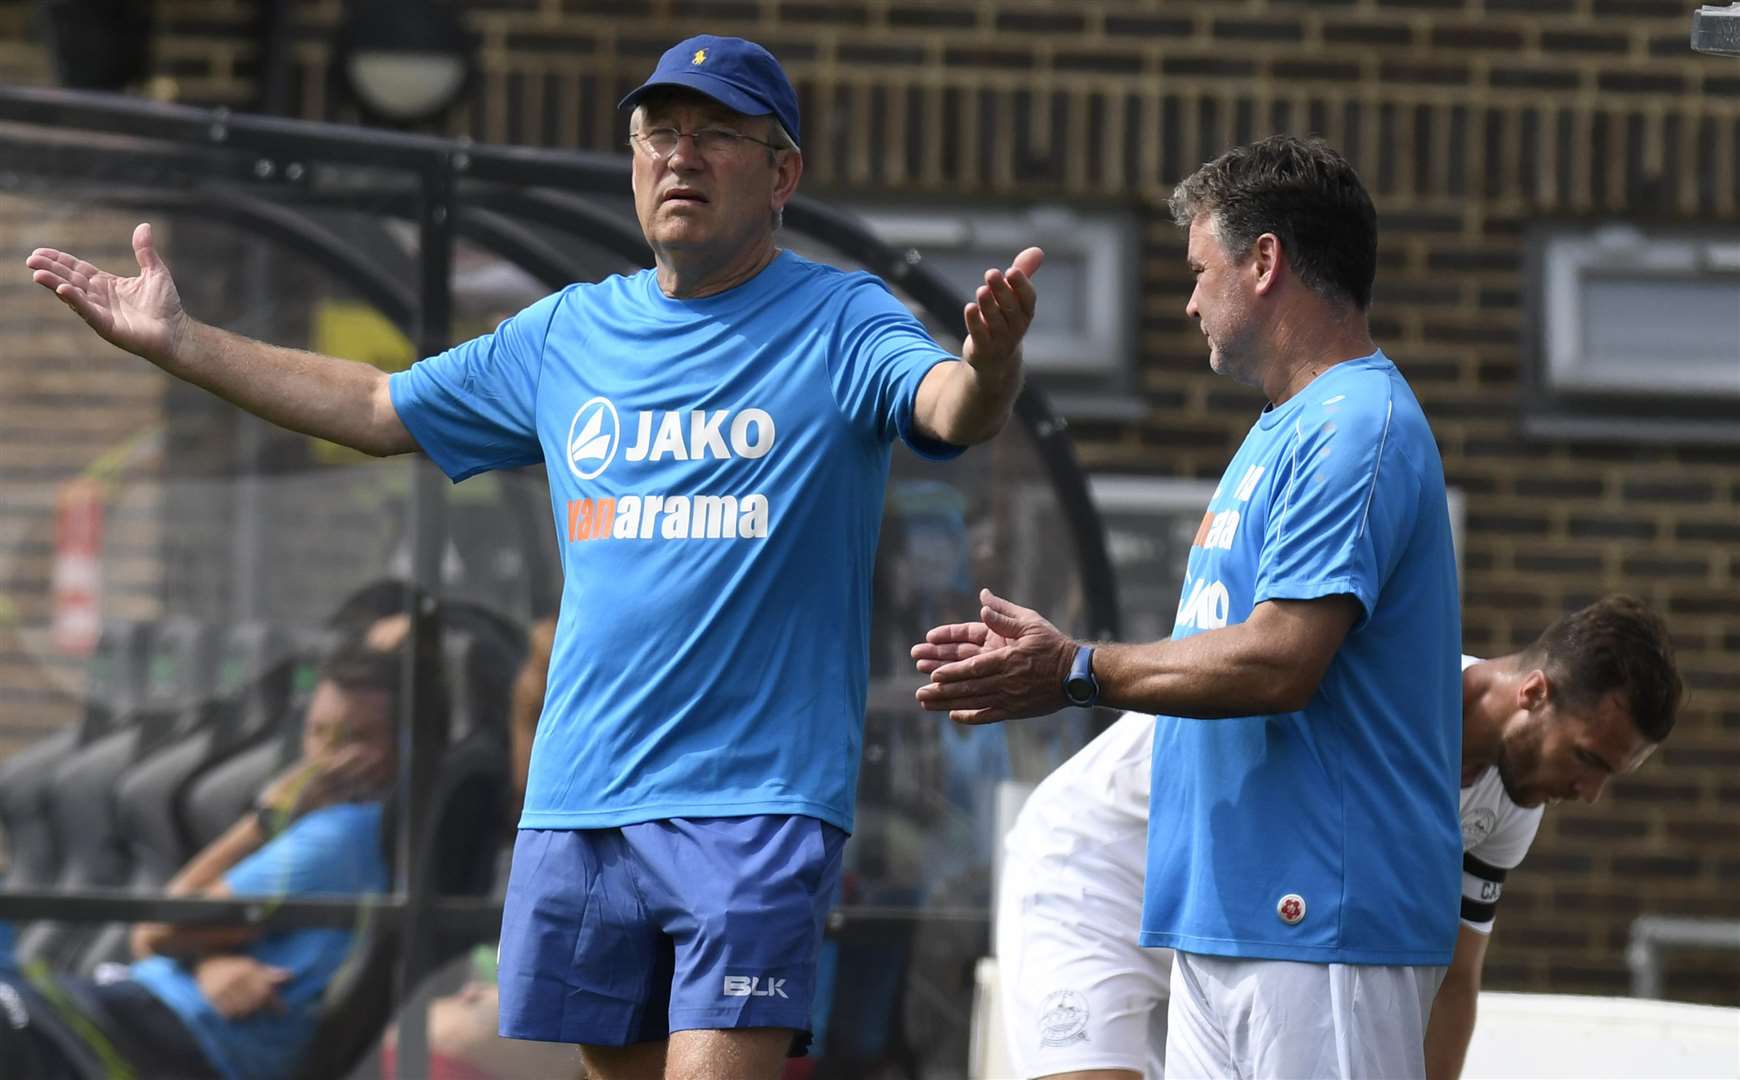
pixel 167 157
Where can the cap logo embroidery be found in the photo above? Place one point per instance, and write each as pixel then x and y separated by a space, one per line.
pixel 700 57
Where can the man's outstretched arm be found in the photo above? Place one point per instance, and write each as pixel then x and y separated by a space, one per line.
pixel 1013 663
pixel 969 401
pixel 339 400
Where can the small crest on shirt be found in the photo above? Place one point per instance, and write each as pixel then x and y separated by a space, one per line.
pixel 1291 909
pixel 1063 1018
pixel 1477 825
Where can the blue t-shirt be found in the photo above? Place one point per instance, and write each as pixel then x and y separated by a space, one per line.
pixel 716 473
pixel 334 851
pixel 1327 835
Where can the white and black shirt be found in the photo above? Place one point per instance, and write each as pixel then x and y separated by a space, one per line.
pixel 1496 834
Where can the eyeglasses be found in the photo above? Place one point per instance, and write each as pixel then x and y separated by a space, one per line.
pixel 661 142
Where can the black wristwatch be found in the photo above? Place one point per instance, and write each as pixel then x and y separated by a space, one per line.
pixel 1081 689
pixel 269 819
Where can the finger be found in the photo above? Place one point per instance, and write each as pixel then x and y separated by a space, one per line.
pixel 51 280
pixel 80 301
pixel 945 653
pixel 987 687
pixel 1028 262
pixel 978 334
pixel 53 274
pixel 973 632
pixel 1026 296
pixel 993 602
pixel 987 664
pixel 52 259
pixel 1006 625
pixel 928 664
pixel 936 702
pixel 973 717
pixel 1008 303
pixel 991 306
pixel 145 247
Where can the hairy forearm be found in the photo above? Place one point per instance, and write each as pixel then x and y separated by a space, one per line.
pixel 340 400
pixel 202 876
pixel 1234 671
pixel 971 406
pixel 188 942
pixel 1449 1030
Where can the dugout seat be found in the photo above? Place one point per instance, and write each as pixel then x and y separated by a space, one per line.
pixel 114 677
pixel 80 802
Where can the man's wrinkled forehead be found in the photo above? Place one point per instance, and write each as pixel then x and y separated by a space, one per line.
pixel 666 103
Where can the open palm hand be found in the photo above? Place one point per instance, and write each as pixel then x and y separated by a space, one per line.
pixel 141 314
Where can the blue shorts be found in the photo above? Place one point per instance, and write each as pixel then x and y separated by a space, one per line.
pixel 624 935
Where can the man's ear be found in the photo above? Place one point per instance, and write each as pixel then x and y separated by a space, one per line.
pixel 788 170
pixel 1267 258
pixel 1535 691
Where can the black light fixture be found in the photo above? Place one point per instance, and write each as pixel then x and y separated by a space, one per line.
pixel 98 44
pixel 403 61
pixel 1716 30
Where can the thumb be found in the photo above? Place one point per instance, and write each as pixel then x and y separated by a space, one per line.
pixel 1028 262
pixel 278 975
pixel 145 247
pixel 1000 622
pixel 1008 610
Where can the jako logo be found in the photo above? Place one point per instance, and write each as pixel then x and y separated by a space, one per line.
pixel 593 437
pixel 748 986
pixel 1206 607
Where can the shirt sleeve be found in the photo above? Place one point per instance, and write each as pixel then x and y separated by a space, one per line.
pixel 474 407
pixel 1485 866
pixel 335 850
pixel 883 355
pixel 1343 510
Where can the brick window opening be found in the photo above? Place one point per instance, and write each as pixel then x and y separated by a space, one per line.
pixel 1636 334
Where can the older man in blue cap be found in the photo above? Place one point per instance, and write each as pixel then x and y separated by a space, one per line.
pixel 717 434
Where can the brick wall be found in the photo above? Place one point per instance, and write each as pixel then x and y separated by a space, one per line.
pixel 69 408
pixel 1468 118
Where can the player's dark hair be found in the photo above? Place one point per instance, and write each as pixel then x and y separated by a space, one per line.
pixel 1303 192
pixel 1616 644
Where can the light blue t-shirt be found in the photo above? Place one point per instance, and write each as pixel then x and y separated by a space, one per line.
pixel 332 851
pixel 1328 835
pixel 716 473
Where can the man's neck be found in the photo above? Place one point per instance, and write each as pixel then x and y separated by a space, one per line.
pixel 1306 348
pixel 691 276
pixel 1485 697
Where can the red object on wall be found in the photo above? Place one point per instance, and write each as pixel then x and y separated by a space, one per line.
pixel 78 567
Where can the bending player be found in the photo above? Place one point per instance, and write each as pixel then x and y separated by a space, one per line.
pixel 1590 699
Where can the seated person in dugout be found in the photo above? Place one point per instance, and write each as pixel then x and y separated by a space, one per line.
pixel 462 1025
pixel 203 1002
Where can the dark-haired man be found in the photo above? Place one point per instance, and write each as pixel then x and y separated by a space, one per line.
pixel 1586 701
pixel 1303 843
pixel 1589 700
pixel 240 1003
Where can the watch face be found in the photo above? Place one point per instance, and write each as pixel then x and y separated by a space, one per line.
pixel 1079 691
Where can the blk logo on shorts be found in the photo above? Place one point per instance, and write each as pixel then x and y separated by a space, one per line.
pixel 753 986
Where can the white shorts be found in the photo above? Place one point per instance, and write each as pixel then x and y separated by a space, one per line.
pixel 1259 1019
pixel 1077 991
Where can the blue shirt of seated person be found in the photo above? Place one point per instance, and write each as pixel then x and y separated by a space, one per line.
pixel 333 851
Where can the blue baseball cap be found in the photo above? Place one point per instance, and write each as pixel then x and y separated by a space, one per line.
pixel 738 74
